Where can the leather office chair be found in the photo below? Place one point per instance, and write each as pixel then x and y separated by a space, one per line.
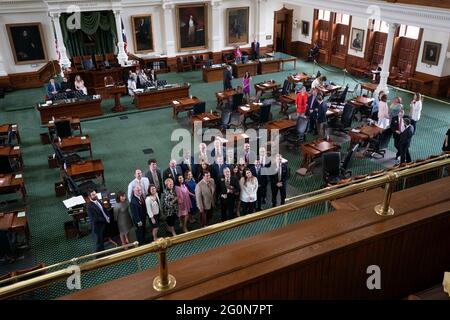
pixel 333 172
pixel 346 119
pixel 196 62
pixel 297 135
pixel 7 165
pixel 75 189
pixel 284 90
pixel 237 120
pixel 98 58
pixel 263 116
pixel 8 139
pixel 63 128
pixel 199 108
pixel 111 58
pixel 378 145
pixel 236 101
pixel 63 158
pixel 88 64
pixel 183 64
pixel 339 97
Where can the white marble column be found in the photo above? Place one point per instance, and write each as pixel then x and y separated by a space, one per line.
pixel 3 72
pixel 64 60
pixel 169 27
pixel 382 86
pixel 260 23
pixel 216 24
pixel 122 57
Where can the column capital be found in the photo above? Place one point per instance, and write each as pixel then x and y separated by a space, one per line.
pixel 54 15
pixel 168 6
pixel 116 12
pixel 216 3
pixel 393 26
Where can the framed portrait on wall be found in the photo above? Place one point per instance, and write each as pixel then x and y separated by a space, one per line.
pixel 305 28
pixel 357 39
pixel 431 53
pixel 237 23
pixel 27 42
pixel 192 26
pixel 142 27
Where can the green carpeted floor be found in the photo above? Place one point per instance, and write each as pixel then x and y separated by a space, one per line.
pixel 119 143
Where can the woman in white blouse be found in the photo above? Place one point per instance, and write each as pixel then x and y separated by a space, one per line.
pixel 249 188
pixel 153 207
pixel 132 84
pixel 79 85
pixel 415 109
pixel 383 112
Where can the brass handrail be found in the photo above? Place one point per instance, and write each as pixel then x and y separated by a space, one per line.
pixel 166 281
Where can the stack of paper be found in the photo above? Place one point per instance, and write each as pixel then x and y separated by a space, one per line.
pixel 83 138
pixel 16 147
pixel 175 102
pixel 21 214
pixel 206 118
pixel 74 201
pixel 245 108
pixel 18 176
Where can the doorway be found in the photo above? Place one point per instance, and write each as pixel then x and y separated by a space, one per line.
pixel 282 30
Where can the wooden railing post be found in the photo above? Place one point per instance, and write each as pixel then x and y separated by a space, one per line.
pixel 164 281
pixel 384 209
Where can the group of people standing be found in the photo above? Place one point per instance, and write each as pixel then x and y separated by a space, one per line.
pixel 191 189
pixel 142 78
pixel 393 118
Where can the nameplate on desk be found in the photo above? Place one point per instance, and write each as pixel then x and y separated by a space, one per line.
pixel 18 176
pixel 175 102
pixel 16 148
pixel 83 138
pixel 21 214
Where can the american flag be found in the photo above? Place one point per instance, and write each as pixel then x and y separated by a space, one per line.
pixel 124 38
pixel 58 54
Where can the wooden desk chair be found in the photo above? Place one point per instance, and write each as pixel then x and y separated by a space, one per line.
pixel 228 57
pixel 196 62
pixel 183 64
pixel 77 63
pixel 111 58
pixel 393 74
pixel 403 76
pixel 98 58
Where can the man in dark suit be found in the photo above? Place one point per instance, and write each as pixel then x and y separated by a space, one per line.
pixel 247 154
pixel 278 180
pixel 172 172
pixel 255 49
pixel 257 171
pixel 397 127
pixel 99 219
pixel 228 187
pixel 312 110
pixel 187 163
pixel 404 141
pixel 217 169
pixel 219 150
pixel 138 213
pixel 265 161
pixel 52 88
pixel 227 77
pixel 66 86
pixel 321 117
pixel 154 176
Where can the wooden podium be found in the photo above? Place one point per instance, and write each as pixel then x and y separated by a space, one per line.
pixel 113 91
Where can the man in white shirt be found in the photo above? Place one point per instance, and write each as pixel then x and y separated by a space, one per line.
pixel 138 181
pixel 415 109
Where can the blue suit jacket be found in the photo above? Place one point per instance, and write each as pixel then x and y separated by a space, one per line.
pixel 50 88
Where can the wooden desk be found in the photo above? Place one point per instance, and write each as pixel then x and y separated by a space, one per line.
pixel 370 87
pixel 113 91
pixel 206 118
pixel 161 96
pixel 84 108
pixel 328 90
pixel 86 170
pixel 364 102
pixel 212 74
pixel 12 183
pixel 280 125
pixel 249 109
pixel 284 58
pixel 183 104
pixel 239 69
pixel 75 123
pixel 299 77
pixel 75 144
pixel 314 150
pixel 360 200
pixel 269 85
pixel 287 100
pixel 364 133
pixel 221 96
pixel 10 221
pixel 334 112
pixel 14 127
pixel 14 152
pixel 96 78
pixel 269 65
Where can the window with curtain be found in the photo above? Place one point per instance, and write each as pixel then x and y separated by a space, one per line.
pixel 411 32
pixel 97 34
pixel 324 15
pixel 380 26
pixel 342 18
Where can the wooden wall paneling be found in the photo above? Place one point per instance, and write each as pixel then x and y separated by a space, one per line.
pixel 34 79
pixel 5 82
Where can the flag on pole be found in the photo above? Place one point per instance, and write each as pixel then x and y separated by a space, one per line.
pixel 124 38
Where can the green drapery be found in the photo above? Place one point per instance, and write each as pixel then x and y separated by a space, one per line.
pixel 97 33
